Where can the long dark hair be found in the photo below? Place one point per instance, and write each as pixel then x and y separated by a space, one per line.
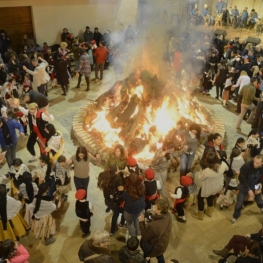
pixel 7 249
pixel 254 248
pixel 6 132
pixel 42 188
pixel 3 200
pixel 27 180
pixel 83 150
pixel 133 185
pixel 121 148
pixel 212 161
pixel 107 179
pixel 197 128
pixel 51 130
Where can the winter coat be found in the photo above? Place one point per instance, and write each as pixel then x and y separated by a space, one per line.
pixel 22 255
pixel 88 36
pixel 88 249
pixel 84 65
pixel 157 233
pixel 61 69
pixel 13 125
pixel 127 256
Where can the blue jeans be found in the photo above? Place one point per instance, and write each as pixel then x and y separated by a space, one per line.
pixel 132 224
pixel 240 199
pixel 186 162
pixel 81 183
pixel 116 211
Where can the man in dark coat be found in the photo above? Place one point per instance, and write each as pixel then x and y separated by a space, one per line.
pixel 37 97
pixel 96 249
pixel 97 36
pixel 157 233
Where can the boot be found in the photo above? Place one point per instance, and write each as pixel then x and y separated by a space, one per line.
pixel 222 253
pixel 209 211
pixel 49 241
pixel 199 215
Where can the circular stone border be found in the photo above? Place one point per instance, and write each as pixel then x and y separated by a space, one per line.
pixel 83 138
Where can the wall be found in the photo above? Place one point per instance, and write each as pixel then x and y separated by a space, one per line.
pixel 51 16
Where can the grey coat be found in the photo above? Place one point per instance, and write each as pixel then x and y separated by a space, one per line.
pixel 84 65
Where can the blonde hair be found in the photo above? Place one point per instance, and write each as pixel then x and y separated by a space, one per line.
pixel 32 106
pixel 243 73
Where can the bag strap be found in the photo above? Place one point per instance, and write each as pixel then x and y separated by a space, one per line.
pixel 91 257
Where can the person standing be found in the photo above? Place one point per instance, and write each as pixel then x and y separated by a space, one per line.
pixel 61 69
pixel 40 76
pixel 81 167
pixel 97 36
pixel 250 184
pixel 220 5
pixel 83 68
pixel 100 55
pixel 8 138
pixel 248 92
pixel 155 236
pixel 37 120
pixel 88 35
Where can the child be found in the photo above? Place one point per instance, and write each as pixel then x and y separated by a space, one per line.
pixel 227 88
pixel 83 210
pixel 27 190
pixel 253 143
pixel 27 82
pixel 61 171
pixel 180 194
pixel 227 197
pixel 240 144
pixel 208 83
pixel 151 187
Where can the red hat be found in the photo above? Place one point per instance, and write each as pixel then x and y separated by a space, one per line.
pixel 186 180
pixel 131 161
pixel 149 174
pixel 80 194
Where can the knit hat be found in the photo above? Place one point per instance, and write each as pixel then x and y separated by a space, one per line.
pixel 80 194
pixel 186 180
pixel 131 161
pixel 63 44
pixel 149 174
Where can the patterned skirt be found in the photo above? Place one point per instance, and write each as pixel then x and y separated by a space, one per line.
pixel 15 228
pixel 44 227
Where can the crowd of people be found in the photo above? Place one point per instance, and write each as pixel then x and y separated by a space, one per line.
pixel 132 190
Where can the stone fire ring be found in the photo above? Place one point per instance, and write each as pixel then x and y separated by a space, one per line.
pixel 84 139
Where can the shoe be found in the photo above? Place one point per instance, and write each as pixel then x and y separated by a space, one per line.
pixel 107 210
pixel 203 93
pixel 179 219
pixel 238 130
pixel 199 215
pixel 174 260
pixel 49 241
pixel 208 94
pixel 85 234
pixel 87 89
pixel 237 111
pixel 209 211
pixel 216 97
pixel 96 80
pixel 77 87
pixel 64 94
pixel 33 160
pixel 232 221
pixel 111 234
pixel 222 253
pixel 122 226
pixel 221 207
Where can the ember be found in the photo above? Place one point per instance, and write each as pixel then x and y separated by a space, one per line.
pixel 141 113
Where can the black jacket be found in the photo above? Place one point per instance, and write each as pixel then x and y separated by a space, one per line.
pixel 127 256
pixel 40 99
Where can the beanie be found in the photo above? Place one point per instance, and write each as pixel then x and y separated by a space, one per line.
pixel 186 180
pixel 131 161
pixel 80 194
pixel 149 174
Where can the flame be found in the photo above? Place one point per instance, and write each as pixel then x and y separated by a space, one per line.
pixel 163 118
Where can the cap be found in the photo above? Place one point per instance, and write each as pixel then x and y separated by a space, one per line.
pixel 80 194
pixel 131 161
pixel 186 180
pixel 149 174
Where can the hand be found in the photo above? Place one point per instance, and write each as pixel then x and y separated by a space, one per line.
pixel 251 194
pixel 185 148
pixel 22 134
pixel 24 68
pixel 98 156
pixel 170 193
pixel 141 217
pixel 247 236
pixel 39 58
